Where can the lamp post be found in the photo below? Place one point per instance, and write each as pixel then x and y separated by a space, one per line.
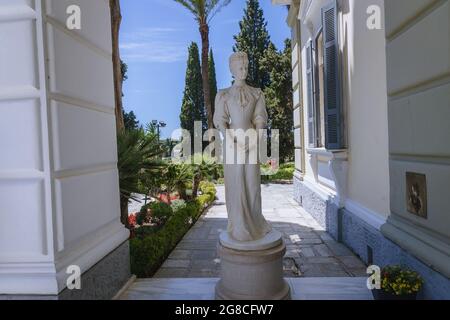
pixel 159 125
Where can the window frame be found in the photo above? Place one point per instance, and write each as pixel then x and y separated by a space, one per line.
pixel 321 113
pixel 319 125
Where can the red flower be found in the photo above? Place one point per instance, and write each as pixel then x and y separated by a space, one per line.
pixel 132 220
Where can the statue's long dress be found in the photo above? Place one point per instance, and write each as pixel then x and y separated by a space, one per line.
pixel 242 108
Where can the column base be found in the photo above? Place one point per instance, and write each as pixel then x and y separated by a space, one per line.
pixel 252 275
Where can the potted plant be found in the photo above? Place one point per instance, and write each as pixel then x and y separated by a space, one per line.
pixel 398 283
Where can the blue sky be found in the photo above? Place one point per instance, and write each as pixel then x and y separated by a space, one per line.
pixel 155 35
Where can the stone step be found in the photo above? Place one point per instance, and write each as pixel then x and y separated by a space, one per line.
pixel 203 289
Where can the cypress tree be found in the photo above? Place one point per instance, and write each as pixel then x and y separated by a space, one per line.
pixel 130 120
pixel 212 79
pixel 254 39
pixel 279 96
pixel 193 107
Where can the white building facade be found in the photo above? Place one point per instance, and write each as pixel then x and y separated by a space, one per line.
pixel 372 105
pixel 58 156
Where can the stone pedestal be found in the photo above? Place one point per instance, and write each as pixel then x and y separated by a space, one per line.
pixel 252 270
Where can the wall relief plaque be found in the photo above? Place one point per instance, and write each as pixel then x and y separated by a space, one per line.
pixel 416 194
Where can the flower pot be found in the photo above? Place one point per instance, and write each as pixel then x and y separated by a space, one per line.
pixel 383 295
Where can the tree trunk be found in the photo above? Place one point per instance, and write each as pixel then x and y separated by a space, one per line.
pixel 182 192
pixel 124 211
pixel 116 20
pixel 196 185
pixel 204 32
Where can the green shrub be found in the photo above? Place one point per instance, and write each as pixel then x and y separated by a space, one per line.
pixel 144 216
pixel 204 200
pixel 161 210
pixel 145 231
pixel 193 209
pixel 177 205
pixel 148 253
pixel 152 245
pixel 208 188
pixel 285 172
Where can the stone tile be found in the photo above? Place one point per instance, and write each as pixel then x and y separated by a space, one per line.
pixel 323 270
pixel 322 260
pixel 325 236
pixel 180 254
pixel 291 267
pixel 204 254
pixel 352 262
pixel 302 234
pixel 293 253
pixel 198 233
pixel 338 249
pixel 204 273
pixel 358 272
pixel 309 270
pixel 206 264
pixel 175 263
pixel 307 252
pixel 310 241
pixel 323 250
pixel 197 245
pixel 171 273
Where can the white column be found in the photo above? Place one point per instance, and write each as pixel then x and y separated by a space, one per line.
pixel 59 195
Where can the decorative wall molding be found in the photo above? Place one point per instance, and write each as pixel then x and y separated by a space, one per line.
pixel 431 249
pixel 293 13
pixel 372 218
pixel 32 278
pixel 325 194
pixel 58 97
pixel 92 46
pixel 19 93
pixel 22 175
pixel 305 6
pixel 339 170
pixel 338 167
pixel 13 13
pixel 90 250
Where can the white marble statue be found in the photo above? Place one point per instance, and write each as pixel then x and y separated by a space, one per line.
pixel 242 107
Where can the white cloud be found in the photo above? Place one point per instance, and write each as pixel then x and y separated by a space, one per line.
pixel 152 45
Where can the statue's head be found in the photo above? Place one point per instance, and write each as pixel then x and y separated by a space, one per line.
pixel 239 65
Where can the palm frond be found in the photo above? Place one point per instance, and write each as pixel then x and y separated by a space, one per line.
pixel 215 6
pixel 190 5
pixel 204 10
pixel 136 152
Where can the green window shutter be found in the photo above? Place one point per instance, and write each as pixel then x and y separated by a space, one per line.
pixel 310 95
pixel 332 86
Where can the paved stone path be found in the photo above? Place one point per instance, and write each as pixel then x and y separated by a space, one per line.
pixel 311 252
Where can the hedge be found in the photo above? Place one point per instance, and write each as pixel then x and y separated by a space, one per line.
pixel 149 249
pixel 285 172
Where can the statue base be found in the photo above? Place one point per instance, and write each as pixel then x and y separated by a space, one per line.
pixel 252 270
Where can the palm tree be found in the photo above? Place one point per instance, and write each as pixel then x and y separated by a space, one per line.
pixel 204 11
pixel 184 176
pixel 202 168
pixel 176 177
pixel 138 154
